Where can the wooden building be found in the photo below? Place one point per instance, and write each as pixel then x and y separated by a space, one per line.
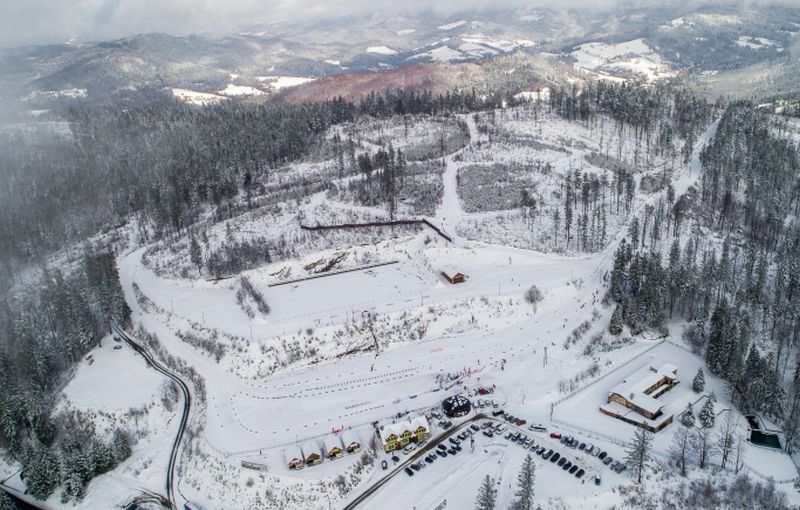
pixel 456 278
pixel 351 442
pixel 311 453
pixel 333 447
pixel 400 434
pixel 635 399
pixel 294 457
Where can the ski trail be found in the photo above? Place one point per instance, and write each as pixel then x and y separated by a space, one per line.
pixel 449 213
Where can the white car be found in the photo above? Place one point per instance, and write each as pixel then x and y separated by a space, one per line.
pixel 410 448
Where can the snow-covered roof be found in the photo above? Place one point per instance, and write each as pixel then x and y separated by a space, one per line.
pixel 349 437
pixel 634 386
pixel 417 422
pixel 393 428
pixel 332 442
pixel 410 425
pixel 292 453
pixel 310 447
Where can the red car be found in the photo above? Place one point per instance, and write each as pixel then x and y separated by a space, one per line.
pixel 555 435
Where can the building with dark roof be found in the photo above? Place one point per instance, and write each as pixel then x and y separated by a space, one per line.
pixel 456 406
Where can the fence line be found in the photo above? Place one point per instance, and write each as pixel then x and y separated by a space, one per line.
pixel 393 223
pixel 333 273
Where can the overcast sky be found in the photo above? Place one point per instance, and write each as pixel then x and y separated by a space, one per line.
pixel 47 21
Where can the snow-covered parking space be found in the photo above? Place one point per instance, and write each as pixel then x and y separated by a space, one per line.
pixel 456 478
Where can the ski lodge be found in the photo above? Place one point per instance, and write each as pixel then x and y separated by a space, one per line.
pixel 635 399
pixel 399 435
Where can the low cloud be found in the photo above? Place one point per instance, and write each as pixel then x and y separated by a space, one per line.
pixel 47 21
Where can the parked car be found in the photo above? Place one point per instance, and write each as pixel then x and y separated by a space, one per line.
pixel 555 435
pixel 395 459
pixel 580 473
pixel 602 455
pixel 446 425
pixel 538 427
pixel 494 404
pixel 488 433
pixel 547 454
pixel 441 453
pixel 573 469
pixel 451 451
pixel 453 440
pixel 561 461
pixel 429 460
pixel 555 457
pixel 409 472
pixel 410 448
pixel 440 446
pixel 520 422
pixel 415 467
pixel 582 446
pixel 474 427
pixel 540 450
pixel 620 467
pixel 497 412
pixel 597 479
pixel 384 465
pixel 566 466
pixel 608 460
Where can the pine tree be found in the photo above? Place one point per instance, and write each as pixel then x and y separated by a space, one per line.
pixel 638 453
pixel 122 446
pixel 196 253
pixel 687 417
pixel 525 481
pixel 41 472
pixel 707 416
pixel 6 503
pixel 615 325
pixel 720 340
pixel 699 382
pixel 102 458
pixel 487 495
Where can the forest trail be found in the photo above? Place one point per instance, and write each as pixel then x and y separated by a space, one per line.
pixel 449 213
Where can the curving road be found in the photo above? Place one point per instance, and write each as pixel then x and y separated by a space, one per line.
pixel 187 400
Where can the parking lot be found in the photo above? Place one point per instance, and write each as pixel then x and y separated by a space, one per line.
pixel 457 460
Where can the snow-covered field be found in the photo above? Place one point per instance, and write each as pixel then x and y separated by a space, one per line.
pixel 346 350
pixel 634 57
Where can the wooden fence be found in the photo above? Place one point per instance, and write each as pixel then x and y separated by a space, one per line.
pixel 380 224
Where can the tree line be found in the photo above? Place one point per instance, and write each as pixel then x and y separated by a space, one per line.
pixel 734 277
pixel 42 335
